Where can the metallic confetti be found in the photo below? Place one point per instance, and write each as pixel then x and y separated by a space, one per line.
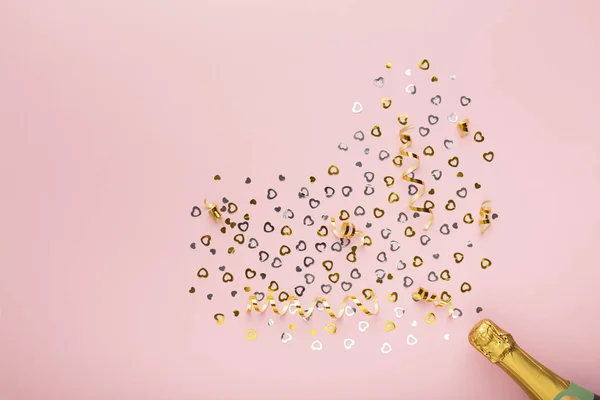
pixel 386 103
pixel 486 263
pixel 389 326
pixel 251 334
pixel 357 107
pixel 489 156
pixel 478 137
pixel 348 343
pixel 430 318
pixel 386 348
pixel 424 65
pixel 220 318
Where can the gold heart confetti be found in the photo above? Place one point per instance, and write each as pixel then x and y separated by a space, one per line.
pixel 389 181
pixel 376 131
pixel 251 334
pixel 322 231
pixel 393 197
pixel 232 208
pixel 202 273
pixel 397 161
pixel 489 156
pixel 417 261
pixel 424 65
pixel 453 162
pixel 409 231
pixel 486 263
pixel 205 240
pixel 284 250
pixel 403 119
pixel 333 170
pixel 445 275
pixel 386 103
pixel 430 318
pixel 478 137
pixel 331 328
pixel 239 238
pixel 428 151
pixel 220 318
pixel 335 277
pixel 227 277
pixel 389 326
pixel 450 205
pixel 273 286
pixel 468 218
pixel 286 230
pixel 392 297
pixel 378 212
pixel 465 287
pixel 344 215
pixel 250 273
pixel 458 257
pixel 328 265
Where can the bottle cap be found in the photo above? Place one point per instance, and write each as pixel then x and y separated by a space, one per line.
pixel 491 340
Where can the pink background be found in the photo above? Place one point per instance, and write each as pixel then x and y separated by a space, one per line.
pixel 115 114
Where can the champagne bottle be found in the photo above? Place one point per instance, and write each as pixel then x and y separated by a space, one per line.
pixel 533 377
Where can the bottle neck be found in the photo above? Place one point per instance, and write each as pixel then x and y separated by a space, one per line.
pixel 533 377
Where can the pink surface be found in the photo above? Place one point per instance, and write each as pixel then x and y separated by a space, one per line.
pixel 115 115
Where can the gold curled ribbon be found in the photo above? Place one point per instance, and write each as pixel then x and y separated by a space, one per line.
pixel 485 211
pixel 293 301
pixel 213 210
pixel 463 126
pixel 347 231
pixel 406 143
pixel 422 294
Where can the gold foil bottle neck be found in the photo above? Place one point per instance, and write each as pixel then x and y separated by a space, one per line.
pixel 491 340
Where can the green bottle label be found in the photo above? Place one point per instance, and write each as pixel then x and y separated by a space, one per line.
pixel 577 391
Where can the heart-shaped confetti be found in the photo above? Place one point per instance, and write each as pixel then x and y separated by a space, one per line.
pixel 445 229
pixel 359 135
pixel 303 193
pixel 436 100
pixel 379 82
pixel 386 348
pixel 408 281
pixel 448 144
pixel 432 119
pixel 346 190
pixel 357 107
pixel 425 240
pixel 432 277
pixel 399 312
pixel 348 343
pixel 478 137
pixel 452 118
pixel 462 193
pixel 437 174
pixel 309 278
pixel 489 156
pixel 411 340
pixel 369 190
pixel 354 274
pixel 383 155
pixel 411 89
pixel 343 146
pixel 424 131
pixel 465 101
pixel 326 288
pixel 308 221
pixel 363 326
pixel 453 162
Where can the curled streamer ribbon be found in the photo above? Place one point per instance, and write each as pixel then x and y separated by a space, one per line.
pixel 485 211
pixel 406 143
pixel 347 231
pixel 213 210
pixel 293 301
pixel 422 294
